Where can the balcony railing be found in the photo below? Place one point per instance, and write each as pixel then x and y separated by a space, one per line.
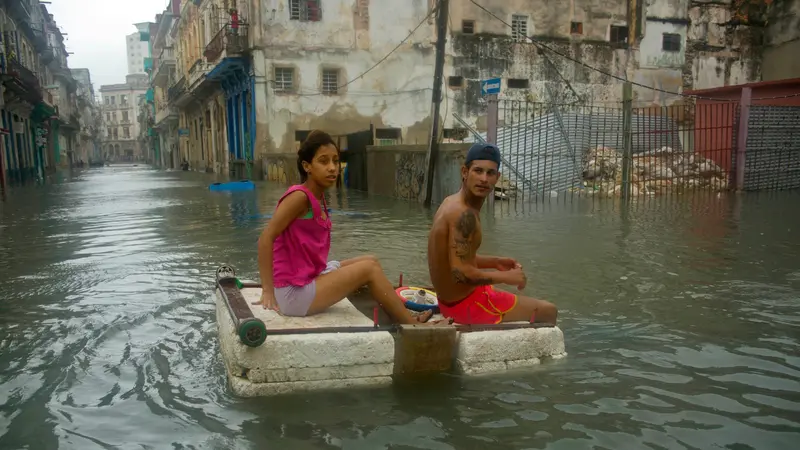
pixel 229 39
pixel 166 54
pixel 176 90
pixel 25 75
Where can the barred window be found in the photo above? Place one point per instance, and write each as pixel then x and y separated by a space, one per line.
pixel 330 81
pixel 519 27
pixel 284 79
pixel 305 10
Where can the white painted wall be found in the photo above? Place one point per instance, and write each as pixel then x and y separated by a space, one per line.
pixel 137 47
pixel 397 92
pixel 651 53
pixel 662 9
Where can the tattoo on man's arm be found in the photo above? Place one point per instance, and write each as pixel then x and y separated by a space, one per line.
pixel 462 278
pixel 461 246
pixel 466 225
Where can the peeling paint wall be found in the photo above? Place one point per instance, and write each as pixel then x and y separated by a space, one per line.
pixel 351 37
pixel 782 42
pixel 720 52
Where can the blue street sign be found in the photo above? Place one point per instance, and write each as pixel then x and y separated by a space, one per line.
pixel 490 86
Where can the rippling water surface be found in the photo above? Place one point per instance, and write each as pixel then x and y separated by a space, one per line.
pixel 682 323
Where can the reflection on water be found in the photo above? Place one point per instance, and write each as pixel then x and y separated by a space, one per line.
pixel 681 320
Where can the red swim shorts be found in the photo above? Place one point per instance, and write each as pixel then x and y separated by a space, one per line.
pixel 482 307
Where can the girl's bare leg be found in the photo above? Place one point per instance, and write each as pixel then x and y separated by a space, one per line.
pixel 334 286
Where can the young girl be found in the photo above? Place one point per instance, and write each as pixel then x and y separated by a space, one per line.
pixel 296 277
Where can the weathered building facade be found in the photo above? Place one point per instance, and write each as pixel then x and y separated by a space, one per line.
pixel 120 109
pixel 163 76
pixel 88 145
pixel 38 102
pixel 253 77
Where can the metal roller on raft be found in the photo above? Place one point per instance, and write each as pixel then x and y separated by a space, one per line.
pixel 252 331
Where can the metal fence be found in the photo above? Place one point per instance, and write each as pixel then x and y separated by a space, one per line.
pixel 566 151
pixel 772 152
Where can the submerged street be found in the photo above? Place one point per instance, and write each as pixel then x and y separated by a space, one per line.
pixel 681 318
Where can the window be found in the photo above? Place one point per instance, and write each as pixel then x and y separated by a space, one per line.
pixel 108 115
pixel 619 34
pixel 455 81
pixel 671 42
pixel 126 132
pixel 116 134
pixel 284 79
pixel 123 99
pixel 106 100
pixel 305 10
pixel 468 26
pixel 576 27
pixel 518 83
pixel 109 132
pixel 113 100
pixel 387 136
pixel 114 116
pixel 330 81
pixel 124 116
pixel 519 27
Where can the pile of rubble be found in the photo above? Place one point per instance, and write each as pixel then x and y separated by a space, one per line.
pixel 654 172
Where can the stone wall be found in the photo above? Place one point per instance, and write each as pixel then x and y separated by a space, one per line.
pixel 399 170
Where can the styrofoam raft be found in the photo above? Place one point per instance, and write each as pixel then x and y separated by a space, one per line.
pixel 303 362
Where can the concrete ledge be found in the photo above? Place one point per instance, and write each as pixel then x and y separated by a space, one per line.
pixel 493 351
pixel 245 388
pixel 304 361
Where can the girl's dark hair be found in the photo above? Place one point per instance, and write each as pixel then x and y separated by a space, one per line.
pixel 309 147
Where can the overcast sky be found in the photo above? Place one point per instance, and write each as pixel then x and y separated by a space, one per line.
pixel 96 32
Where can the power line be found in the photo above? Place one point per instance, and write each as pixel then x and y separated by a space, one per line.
pixel 545 47
pixel 432 11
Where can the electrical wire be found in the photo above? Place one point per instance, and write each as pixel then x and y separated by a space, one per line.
pixel 625 80
pixel 432 11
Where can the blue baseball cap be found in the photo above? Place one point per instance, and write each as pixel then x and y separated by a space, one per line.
pixel 483 151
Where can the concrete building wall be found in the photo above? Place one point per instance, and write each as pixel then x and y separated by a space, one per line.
pixel 136 51
pixel 315 58
pixel 782 42
pixel 120 109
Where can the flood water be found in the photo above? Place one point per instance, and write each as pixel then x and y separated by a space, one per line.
pixel 681 318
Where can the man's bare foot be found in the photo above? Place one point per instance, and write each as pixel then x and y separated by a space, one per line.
pixel 422 316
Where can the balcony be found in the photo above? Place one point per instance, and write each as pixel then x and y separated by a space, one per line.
pixel 24 81
pixel 165 114
pixel 197 71
pixel 232 41
pixel 19 11
pixel 176 90
pixel 166 62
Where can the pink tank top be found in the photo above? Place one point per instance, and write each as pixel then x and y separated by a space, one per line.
pixel 300 252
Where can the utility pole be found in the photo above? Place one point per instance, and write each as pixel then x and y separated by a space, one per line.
pixel 433 146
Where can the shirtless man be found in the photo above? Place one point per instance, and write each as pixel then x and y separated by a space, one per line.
pixel 463 285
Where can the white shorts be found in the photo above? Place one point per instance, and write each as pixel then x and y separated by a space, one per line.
pixel 295 300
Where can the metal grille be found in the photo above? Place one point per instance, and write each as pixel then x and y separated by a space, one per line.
pixel 772 157
pixel 519 27
pixel 305 10
pixel 330 81
pixel 546 148
pixel 284 79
